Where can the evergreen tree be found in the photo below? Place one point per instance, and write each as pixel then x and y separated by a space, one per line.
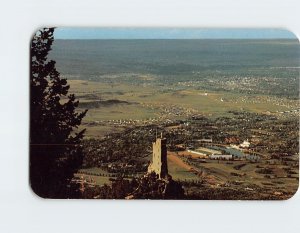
pixel 55 151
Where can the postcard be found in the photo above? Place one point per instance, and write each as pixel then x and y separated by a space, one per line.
pixel 164 113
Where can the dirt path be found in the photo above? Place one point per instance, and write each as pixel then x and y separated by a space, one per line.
pixel 211 179
pixel 179 162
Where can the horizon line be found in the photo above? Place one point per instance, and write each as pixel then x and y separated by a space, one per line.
pixel 171 33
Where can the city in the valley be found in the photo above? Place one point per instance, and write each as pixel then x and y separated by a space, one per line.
pixel 192 119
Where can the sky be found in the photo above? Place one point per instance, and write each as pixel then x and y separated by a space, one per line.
pixel 170 33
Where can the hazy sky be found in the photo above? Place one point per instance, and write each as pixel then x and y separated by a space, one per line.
pixel 170 33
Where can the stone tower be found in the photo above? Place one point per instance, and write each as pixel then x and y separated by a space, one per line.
pixel 159 163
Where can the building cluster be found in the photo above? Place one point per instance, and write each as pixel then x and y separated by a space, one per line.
pixel 209 153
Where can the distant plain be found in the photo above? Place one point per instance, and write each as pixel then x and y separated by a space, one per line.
pixel 128 83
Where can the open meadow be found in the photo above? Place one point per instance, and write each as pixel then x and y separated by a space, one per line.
pixel 129 102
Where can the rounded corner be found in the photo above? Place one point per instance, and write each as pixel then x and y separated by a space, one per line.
pixel 296 37
pixel 34 192
pixel 294 194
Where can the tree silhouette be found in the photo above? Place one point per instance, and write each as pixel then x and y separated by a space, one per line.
pixel 55 151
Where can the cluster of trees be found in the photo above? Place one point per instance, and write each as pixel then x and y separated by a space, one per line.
pixel 145 187
pixel 55 151
pixel 131 146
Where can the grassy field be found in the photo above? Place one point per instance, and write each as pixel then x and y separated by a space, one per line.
pixel 201 100
pixel 99 180
pixel 179 172
pixel 99 175
pixel 241 173
pixel 154 102
pixel 246 173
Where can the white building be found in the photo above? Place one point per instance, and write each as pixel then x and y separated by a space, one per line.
pixel 227 157
pixel 245 144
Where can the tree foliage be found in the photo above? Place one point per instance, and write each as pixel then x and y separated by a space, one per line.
pixel 55 151
pixel 148 186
